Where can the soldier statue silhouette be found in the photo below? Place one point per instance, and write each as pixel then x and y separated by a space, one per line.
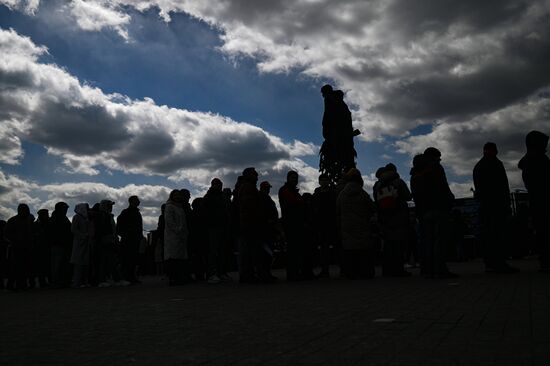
pixel 337 153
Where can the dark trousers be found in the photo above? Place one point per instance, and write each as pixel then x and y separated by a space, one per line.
pixel 493 238
pixel 217 261
pixel 436 236
pixel 60 266
pixel 542 229
pixel 249 254
pixel 108 266
pixel 393 257
pixel 129 255
pixel 299 257
pixel 357 264
pixel 19 272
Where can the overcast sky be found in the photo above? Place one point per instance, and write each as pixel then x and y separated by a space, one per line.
pixel 105 99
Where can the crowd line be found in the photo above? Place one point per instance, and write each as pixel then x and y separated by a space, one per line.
pixel 240 228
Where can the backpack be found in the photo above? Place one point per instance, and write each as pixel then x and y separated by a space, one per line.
pixel 386 198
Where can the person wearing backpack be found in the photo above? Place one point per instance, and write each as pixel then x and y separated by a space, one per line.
pixel 391 195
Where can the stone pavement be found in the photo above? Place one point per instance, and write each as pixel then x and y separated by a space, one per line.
pixel 479 319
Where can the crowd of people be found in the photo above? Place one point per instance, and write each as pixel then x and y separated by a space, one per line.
pixel 338 222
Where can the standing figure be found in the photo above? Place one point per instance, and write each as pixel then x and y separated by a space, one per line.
pixel 355 211
pixel 176 235
pixel 324 212
pixel 81 228
pixel 337 152
pixel 493 193
pixel 129 227
pixel 61 239
pixel 41 250
pixel 19 234
pixel 535 166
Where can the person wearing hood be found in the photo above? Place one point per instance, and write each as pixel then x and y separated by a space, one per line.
pixel 41 250
pixel 493 193
pixel 433 201
pixel 61 239
pixel 293 214
pixel 535 171
pixel 355 211
pixel 81 228
pixel 20 235
pixel 105 232
pixel 130 229
pixel 391 195
pixel 176 235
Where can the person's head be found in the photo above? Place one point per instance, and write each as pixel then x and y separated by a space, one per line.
pixel 162 208
pixel 61 208
pixel 82 209
pixel 43 214
pixel 353 176
pixel 216 185
pixel 23 210
pixel 133 201
pixel 197 203
pixel 536 142
pixel 326 90
pixel 433 154
pixel 292 178
pixel 265 187
pixel 185 195
pixel 106 206
pixel 250 175
pixel 391 167
pixel 379 172
pixel 324 180
pixel 490 149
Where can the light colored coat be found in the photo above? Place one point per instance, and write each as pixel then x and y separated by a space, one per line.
pixel 355 210
pixel 176 232
pixel 81 229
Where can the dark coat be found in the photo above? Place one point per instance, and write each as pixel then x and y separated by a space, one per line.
pixel 270 215
pixel 20 231
pixel 292 208
pixel 60 231
pixel 535 171
pixel 250 209
pixel 491 185
pixel 129 225
pixel 430 189
pixel 394 222
pixel 216 209
pixel 324 211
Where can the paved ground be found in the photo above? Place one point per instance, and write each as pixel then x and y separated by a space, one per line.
pixel 477 320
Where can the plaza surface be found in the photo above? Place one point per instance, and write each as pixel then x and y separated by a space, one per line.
pixel 477 319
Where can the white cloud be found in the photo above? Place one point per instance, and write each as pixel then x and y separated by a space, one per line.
pixel 96 15
pixel 27 6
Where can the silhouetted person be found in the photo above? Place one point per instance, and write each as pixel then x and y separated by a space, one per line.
pixel 3 254
pixel 324 211
pixel 130 229
pixel 391 195
pixel 217 219
pixel 61 239
pixel 434 201
pixel 293 217
pixel 355 211
pixel 269 232
pixel 535 166
pixel 198 239
pixel 159 243
pixel 41 250
pixel 250 223
pixel 20 235
pixel 105 231
pixel 493 193
pixel 81 227
pixel 337 152
pixel 176 235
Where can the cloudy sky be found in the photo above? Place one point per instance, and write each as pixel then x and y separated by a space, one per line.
pixel 105 99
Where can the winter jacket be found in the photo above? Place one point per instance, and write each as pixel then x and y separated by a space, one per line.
pixel 394 221
pixel 535 171
pixel 491 185
pixel 82 233
pixel 430 189
pixel 355 209
pixel 176 232
pixel 129 226
pixel 293 208
pixel 216 209
pixel 20 231
pixel 60 231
